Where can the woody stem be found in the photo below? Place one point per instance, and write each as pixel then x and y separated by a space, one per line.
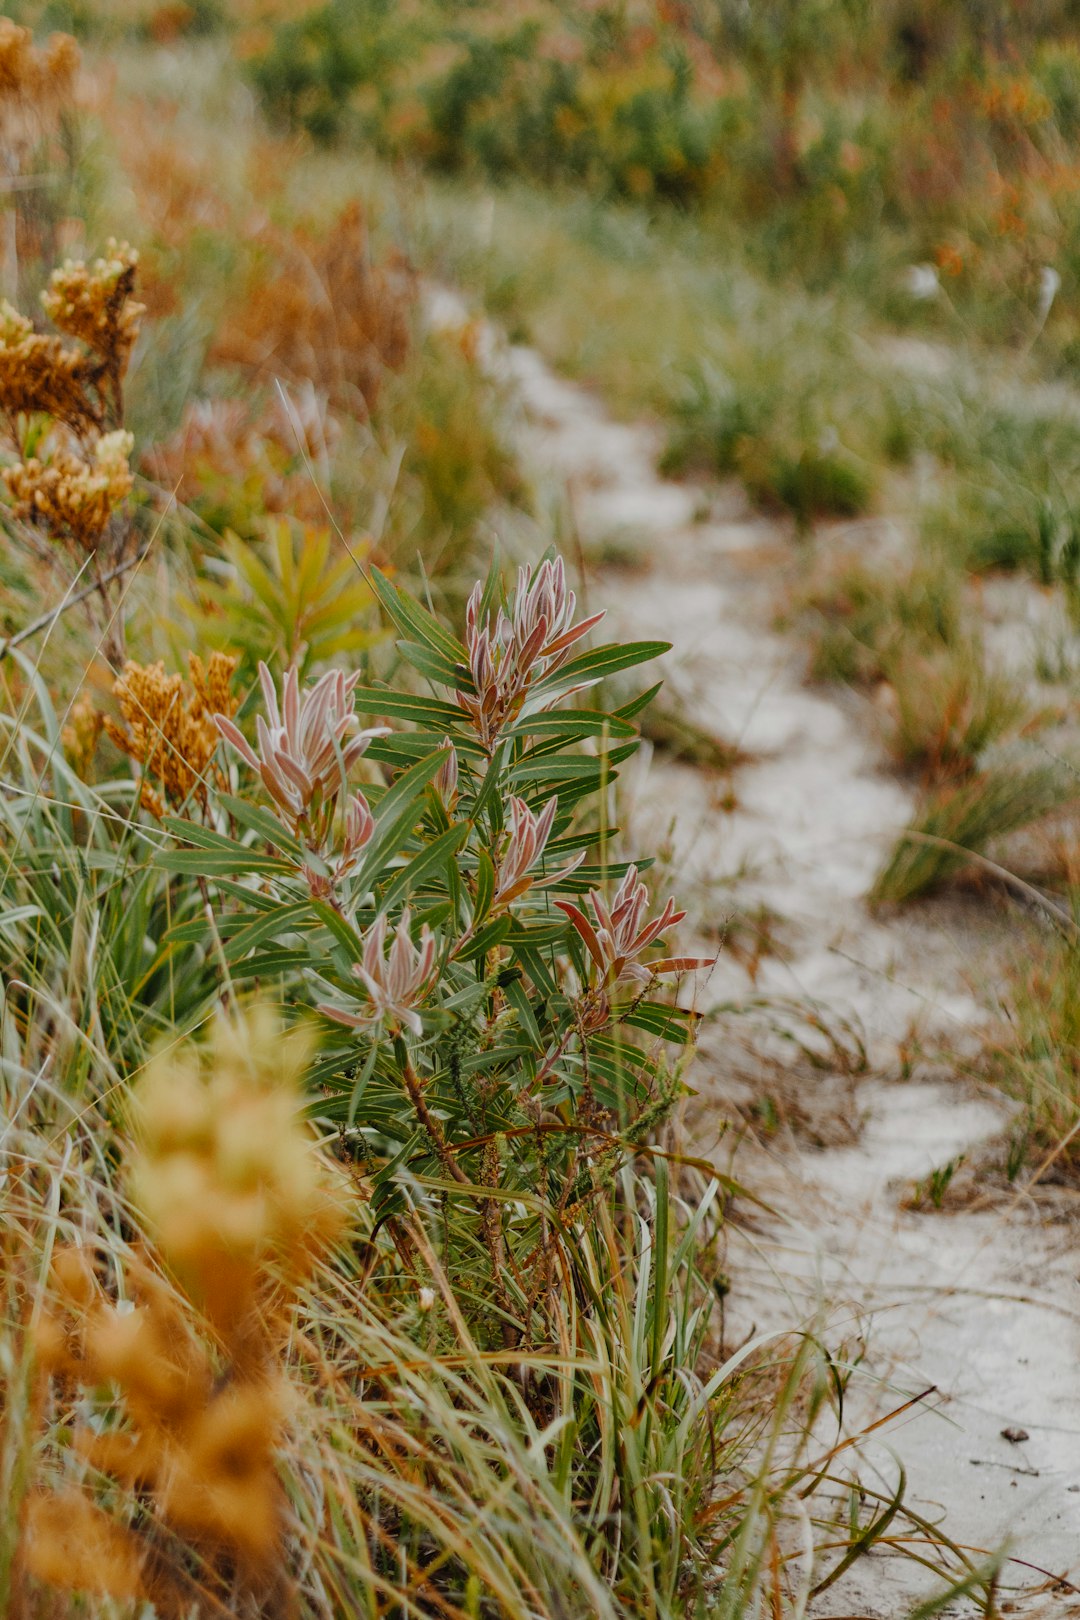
pixel 427 1119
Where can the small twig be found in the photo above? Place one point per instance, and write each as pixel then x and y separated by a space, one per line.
pixel 1010 1468
pixel 47 620
pixel 427 1119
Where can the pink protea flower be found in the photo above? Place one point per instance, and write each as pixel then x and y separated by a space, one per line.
pixel 528 838
pixel 506 658
pixel 446 777
pixel 394 982
pixel 356 835
pixel 620 935
pixel 307 746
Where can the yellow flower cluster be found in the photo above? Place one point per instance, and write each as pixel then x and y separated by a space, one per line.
pixel 227 1178
pixel 39 374
pixel 74 499
pixel 95 303
pixel 202 1446
pixel 80 734
pixel 232 1189
pixel 168 725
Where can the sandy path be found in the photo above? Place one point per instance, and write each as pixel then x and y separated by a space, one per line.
pixel 984 1306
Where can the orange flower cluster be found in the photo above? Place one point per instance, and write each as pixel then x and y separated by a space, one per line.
pixel 28 71
pixel 241 1206
pixel 73 499
pixel 168 726
pixel 328 315
pixel 72 485
pixel 97 304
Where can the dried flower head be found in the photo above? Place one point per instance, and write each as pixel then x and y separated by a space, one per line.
pixel 32 73
pixel 508 657
pixel 326 312
pixel 267 452
pixel 71 1544
pixel 35 83
pixel 395 983
pixel 74 500
pixel 96 303
pixel 170 726
pixel 80 735
pixel 230 1185
pixel 38 373
pixel 227 1176
pixel 198 1448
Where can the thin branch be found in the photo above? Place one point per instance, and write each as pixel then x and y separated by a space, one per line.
pixel 47 620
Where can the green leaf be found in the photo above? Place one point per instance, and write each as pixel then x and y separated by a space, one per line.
pixel 397 812
pixel 485 887
pixel 597 665
pixel 434 665
pixel 260 820
pixel 269 964
pixel 213 853
pixel 673 1024
pixel 283 920
pixel 422 711
pixel 361 1084
pixel 574 725
pixel 189 832
pixel 205 863
pixel 567 768
pixel 429 859
pixel 515 994
pixel 642 701
pixel 495 932
pixel 412 620
pixel 341 930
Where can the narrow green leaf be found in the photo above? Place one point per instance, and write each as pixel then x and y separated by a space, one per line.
pixel 272 924
pixel 673 1024
pixel 397 811
pixel 429 860
pixel 495 932
pixel 413 620
pixel 258 819
pixel 485 887
pixel 422 711
pixel 434 665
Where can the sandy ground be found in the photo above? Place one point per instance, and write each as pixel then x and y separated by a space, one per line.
pixel 981 1305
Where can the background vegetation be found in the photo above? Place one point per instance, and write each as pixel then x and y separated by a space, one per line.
pixel 351 1260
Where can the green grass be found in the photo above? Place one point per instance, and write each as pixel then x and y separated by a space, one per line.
pixel 956 824
pixel 1035 1055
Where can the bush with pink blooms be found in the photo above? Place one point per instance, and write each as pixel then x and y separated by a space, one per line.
pixel 494 991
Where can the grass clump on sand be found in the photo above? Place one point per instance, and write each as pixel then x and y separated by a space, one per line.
pixel 1036 1055
pixel 963 819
